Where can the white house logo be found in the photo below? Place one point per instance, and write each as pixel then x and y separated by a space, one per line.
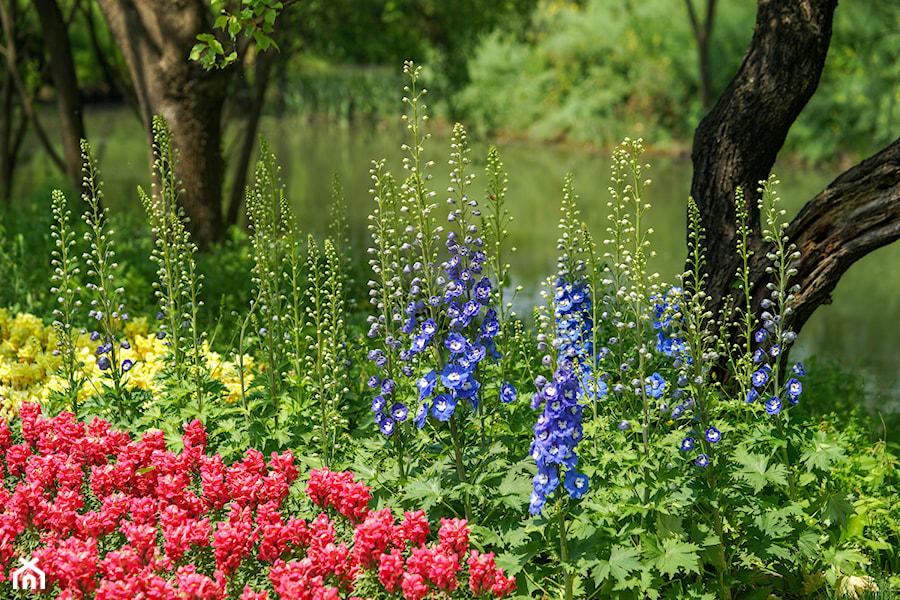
pixel 28 576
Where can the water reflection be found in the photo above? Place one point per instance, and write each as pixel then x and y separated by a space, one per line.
pixel 861 329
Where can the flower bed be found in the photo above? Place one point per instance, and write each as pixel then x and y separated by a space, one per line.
pixel 110 517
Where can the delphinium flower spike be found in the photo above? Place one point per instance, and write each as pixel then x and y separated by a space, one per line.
pixel 107 306
pixel 65 287
pixel 179 283
pixel 773 337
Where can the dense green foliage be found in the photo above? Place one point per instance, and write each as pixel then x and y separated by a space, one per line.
pixel 682 487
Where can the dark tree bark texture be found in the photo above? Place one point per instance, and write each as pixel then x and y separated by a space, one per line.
pixel 736 145
pixel 156 37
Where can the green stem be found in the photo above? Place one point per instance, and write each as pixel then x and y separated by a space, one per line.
pixel 564 553
pixel 723 561
pixel 460 470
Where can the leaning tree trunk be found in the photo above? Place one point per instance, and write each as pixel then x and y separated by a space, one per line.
pixel 156 37
pixel 68 94
pixel 736 145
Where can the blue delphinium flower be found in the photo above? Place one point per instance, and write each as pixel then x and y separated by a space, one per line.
pixel 773 405
pixel 687 444
pixel 507 392
pixel 556 434
pixel 426 384
pixel 759 378
pixel 752 396
pixel 421 415
pixel 799 370
pixel 624 425
pixel 664 310
pixel 713 435
pixel 702 460
pixel 794 389
pixel 656 386
pixel 399 412
pixel 443 406
pixel 576 484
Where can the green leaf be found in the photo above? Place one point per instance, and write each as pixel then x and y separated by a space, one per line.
pixel 756 471
pixel 822 452
pixel 837 508
pixel 623 560
pixel 669 525
pixel 197 50
pixel 673 555
pixel 427 492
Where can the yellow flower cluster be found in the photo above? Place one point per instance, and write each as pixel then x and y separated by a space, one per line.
pixel 29 371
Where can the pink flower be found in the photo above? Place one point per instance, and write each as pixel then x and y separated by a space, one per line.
pixel 212 481
pixel 484 576
pixel 372 538
pixel 16 456
pixel 349 498
pixel 249 594
pixel 119 563
pixel 413 586
pixel 194 435
pixel 415 527
pixel 454 536
pixel 180 531
pixel 442 571
pixel 503 585
pixel 231 541
pixel 390 569
pixel 71 562
pixel 196 586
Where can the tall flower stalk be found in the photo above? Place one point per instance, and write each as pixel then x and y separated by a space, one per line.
pixel 107 302
pixel 64 261
pixel 435 323
pixel 264 202
pixel 179 283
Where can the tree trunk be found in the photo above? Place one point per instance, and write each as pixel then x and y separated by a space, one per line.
pixel 702 33
pixel 156 37
pixel 68 94
pixel 264 62
pixel 736 144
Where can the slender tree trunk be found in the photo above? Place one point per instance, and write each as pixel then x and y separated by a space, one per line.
pixel 6 116
pixel 68 94
pixel 737 143
pixel 156 37
pixel 264 62
pixel 703 33
pixel 10 51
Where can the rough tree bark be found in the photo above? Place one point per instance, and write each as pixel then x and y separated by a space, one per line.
pixel 736 145
pixel 156 37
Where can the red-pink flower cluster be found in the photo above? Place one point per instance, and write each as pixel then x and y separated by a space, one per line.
pixel 167 526
pixel 348 497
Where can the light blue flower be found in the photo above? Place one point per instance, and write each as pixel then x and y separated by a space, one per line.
pixel 657 386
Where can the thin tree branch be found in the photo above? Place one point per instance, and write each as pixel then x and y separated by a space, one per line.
pixel 28 106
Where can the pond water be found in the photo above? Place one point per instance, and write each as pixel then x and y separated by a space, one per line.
pixel 860 329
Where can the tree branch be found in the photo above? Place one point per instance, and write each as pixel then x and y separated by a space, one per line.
pixel 27 105
pixel 857 213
